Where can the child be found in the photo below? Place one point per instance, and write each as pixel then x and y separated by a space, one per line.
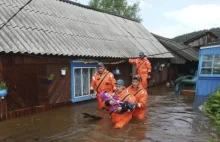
pixel 113 97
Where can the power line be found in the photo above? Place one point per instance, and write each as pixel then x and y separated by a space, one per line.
pixel 14 15
pixel 169 52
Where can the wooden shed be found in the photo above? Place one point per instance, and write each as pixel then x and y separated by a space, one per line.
pixel 209 70
pixel 202 39
pixel 185 59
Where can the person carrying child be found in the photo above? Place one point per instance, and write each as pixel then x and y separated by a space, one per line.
pixel 123 113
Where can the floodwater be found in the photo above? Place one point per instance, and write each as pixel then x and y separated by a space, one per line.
pixel 169 118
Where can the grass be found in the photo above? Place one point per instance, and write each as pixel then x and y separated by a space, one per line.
pixel 211 108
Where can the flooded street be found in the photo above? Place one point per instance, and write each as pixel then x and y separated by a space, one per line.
pixel 169 118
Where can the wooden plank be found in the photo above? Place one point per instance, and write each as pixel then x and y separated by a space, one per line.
pixel 34 59
pixel 188 93
pixel 1 70
pixel 22 84
pixel 3 109
pixel 42 87
pixel 37 60
pixel 87 115
pixel 19 59
pixel 59 90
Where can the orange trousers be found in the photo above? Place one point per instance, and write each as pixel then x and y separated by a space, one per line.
pixel 144 80
pixel 101 102
pixel 120 120
pixel 139 113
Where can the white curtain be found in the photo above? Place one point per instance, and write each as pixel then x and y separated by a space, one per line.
pixel 85 81
pixel 77 78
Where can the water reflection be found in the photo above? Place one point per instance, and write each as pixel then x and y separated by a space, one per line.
pixel 199 100
pixel 169 117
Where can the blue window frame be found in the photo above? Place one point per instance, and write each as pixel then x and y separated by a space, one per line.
pixel 210 65
pixel 81 75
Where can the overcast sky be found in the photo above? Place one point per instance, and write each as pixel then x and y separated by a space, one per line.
pixel 170 18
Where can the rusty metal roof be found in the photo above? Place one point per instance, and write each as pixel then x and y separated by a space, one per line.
pixel 52 27
pixel 181 53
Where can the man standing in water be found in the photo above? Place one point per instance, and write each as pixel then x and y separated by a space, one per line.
pixel 123 115
pixel 143 67
pixel 141 97
pixel 102 80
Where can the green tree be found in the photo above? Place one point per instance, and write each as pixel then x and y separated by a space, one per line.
pixel 119 7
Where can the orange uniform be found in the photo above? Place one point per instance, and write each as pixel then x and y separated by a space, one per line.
pixel 121 120
pixel 141 98
pixel 143 67
pixel 102 82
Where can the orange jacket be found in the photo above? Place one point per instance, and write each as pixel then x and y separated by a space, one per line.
pixel 121 120
pixel 108 84
pixel 130 98
pixel 143 66
pixel 140 96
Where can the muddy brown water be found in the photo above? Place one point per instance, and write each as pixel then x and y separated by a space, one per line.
pixel 169 118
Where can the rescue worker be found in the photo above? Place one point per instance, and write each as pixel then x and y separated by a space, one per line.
pixel 143 68
pixel 122 116
pixel 141 96
pixel 102 80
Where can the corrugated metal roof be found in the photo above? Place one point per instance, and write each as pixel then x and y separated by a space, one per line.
pixel 211 46
pixel 52 27
pixel 210 50
pixel 181 52
pixel 177 58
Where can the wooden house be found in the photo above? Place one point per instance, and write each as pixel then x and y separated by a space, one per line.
pixel 38 38
pixel 208 72
pixel 209 69
pixel 185 59
pixel 201 39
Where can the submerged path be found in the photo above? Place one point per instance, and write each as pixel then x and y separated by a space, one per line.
pixel 169 118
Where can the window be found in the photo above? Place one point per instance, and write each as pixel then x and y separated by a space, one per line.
pixel 211 64
pixel 82 77
pixel 216 69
